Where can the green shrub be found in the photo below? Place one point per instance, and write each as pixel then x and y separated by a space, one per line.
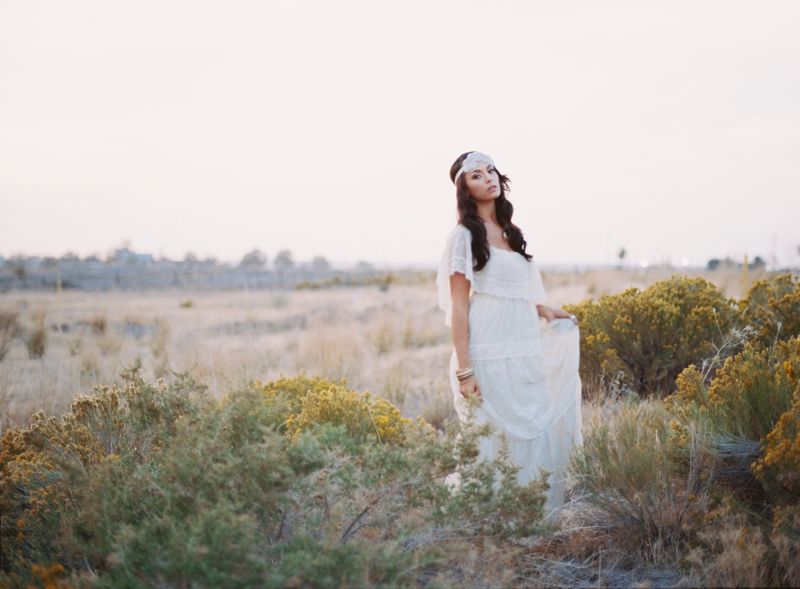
pixel 155 484
pixel 772 308
pixel 641 340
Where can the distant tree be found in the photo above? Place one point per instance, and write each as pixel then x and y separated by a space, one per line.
pixel 758 262
pixel 364 266
pixel 283 260
pixel 320 263
pixel 253 259
pixel 115 254
pixel 49 262
pixel 621 255
pixel 713 264
pixel 190 257
pixel 70 257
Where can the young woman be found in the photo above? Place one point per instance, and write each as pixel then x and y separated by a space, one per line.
pixel 522 376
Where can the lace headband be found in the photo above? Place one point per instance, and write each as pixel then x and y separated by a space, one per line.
pixel 471 162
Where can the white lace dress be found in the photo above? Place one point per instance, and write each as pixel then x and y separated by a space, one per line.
pixel 526 367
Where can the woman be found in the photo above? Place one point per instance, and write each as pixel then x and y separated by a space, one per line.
pixel 522 375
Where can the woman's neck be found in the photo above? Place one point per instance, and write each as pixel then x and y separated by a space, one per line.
pixel 487 212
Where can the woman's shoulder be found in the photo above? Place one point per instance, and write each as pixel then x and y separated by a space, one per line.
pixel 460 230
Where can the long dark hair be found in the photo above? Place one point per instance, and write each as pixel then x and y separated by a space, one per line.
pixel 468 216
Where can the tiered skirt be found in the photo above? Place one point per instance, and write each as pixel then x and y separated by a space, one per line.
pixel 527 371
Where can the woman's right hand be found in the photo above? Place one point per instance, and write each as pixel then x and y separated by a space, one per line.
pixel 470 389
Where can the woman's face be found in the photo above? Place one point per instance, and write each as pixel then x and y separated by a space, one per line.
pixel 483 182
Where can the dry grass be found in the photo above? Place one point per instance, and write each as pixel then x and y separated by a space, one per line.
pixel 393 343
pixel 9 327
pixel 739 560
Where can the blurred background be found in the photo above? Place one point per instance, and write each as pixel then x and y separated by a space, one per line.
pixel 669 130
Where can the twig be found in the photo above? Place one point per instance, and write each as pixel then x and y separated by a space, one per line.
pixel 348 532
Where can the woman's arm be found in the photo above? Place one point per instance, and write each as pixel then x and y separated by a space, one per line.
pixel 459 292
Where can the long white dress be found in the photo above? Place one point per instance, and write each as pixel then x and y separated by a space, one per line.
pixel 526 367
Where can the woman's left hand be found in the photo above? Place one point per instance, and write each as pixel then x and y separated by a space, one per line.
pixel 550 313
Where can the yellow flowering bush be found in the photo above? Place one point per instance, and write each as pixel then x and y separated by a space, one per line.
pixel 37 461
pixel 643 339
pixel 772 308
pixel 32 489
pixel 748 394
pixel 688 408
pixel 313 400
pixel 781 460
pixel 691 390
pixel 751 405
pixel 779 466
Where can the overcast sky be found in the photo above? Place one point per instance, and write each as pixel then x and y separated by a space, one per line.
pixel 669 128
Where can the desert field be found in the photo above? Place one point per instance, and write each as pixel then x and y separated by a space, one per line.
pixel 657 497
pixel 393 343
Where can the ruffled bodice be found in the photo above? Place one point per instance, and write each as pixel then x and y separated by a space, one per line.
pixel 507 274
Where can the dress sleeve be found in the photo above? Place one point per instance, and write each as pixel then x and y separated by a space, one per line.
pixel 537 294
pixel 457 257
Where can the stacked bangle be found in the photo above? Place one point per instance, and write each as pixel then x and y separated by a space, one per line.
pixel 465 374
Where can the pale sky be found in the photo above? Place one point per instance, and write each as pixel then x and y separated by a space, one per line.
pixel 669 128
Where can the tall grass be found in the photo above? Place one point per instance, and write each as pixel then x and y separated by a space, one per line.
pixel 630 473
pixel 9 329
pixel 36 336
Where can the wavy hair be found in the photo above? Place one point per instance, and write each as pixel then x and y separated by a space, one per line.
pixel 468 216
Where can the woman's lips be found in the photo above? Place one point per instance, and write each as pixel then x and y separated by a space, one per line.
pixel 492 188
